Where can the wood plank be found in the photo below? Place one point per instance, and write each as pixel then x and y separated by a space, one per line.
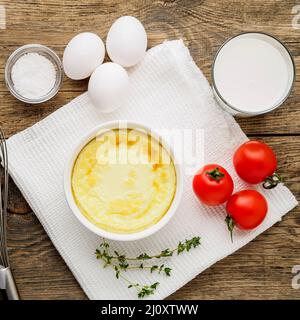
pixel 285 120
pixel 39 270
pixel 203 25
pixel 262 269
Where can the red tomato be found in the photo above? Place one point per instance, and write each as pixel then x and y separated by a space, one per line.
pixel 247 209
pixel 255 162
pixel 213 185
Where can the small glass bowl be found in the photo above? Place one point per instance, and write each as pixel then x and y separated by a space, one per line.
pixel 47 53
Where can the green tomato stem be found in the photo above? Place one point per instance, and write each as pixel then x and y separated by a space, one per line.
pixel 216 174
pixel 272 181
pixel 230 225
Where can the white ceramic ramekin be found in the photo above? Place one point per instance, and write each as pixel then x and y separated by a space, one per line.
pixel 68 189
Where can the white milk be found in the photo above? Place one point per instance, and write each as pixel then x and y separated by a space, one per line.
pixel 253 73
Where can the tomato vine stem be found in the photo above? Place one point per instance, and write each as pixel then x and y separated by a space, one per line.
pixel 230 225
pixel 272 181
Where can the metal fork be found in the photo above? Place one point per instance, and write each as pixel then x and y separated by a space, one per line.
pixel 8 288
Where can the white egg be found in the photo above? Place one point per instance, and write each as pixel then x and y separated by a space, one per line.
pixel 108 86
pixel 82 55
pixel 126 41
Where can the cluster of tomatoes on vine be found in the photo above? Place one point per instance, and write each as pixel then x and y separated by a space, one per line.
pixel 254 162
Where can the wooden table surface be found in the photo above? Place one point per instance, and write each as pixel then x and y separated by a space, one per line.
pixel 262 269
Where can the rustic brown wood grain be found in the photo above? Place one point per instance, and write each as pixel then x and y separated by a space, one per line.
pixel 260 270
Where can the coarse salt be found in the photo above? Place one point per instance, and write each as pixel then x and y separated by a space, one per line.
pixel 33 75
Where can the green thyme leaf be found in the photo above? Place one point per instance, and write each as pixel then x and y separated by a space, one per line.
pixel 144 256
pixel 167 271
pixel 121 263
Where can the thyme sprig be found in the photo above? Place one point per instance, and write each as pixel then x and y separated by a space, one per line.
pixel 121 263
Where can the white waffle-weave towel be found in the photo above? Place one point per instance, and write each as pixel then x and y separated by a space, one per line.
pixel 167 91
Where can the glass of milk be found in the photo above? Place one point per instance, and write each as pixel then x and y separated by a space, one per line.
pixel 253 73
